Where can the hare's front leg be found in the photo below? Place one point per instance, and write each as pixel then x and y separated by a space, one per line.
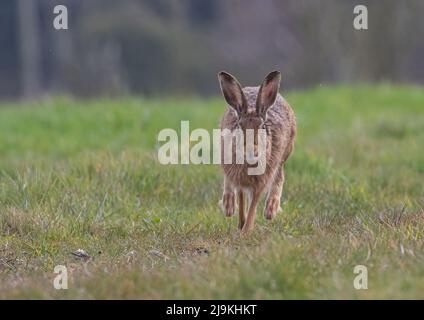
pixel 251 215
pixel 242 216
pixel 228 199
pixel 272 204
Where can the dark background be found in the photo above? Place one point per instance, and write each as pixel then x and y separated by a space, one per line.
pixel 159 47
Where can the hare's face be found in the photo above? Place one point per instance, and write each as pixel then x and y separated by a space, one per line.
pixel 256 125
pixel 252 122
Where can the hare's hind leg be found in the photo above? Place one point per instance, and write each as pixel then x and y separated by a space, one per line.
pixel 242 216
pixel 228 199
pixel 272 204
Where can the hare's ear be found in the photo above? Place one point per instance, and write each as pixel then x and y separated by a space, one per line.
pixel 268 92
pixel 232 91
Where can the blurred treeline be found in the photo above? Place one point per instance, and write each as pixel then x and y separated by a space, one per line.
pixel 167 47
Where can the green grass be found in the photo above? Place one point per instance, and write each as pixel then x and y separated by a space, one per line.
pixel 84 174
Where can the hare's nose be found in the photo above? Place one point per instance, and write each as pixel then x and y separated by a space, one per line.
pixel 253 153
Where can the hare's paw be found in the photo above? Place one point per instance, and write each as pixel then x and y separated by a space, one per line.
pixel 272 206
pixel 247 228
pixel 227 204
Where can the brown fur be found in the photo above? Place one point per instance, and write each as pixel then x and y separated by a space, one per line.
pixel 252 107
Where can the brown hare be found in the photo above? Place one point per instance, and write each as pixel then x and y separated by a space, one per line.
pixel 256 108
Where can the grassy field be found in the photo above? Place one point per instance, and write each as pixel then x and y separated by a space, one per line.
pixel 84 175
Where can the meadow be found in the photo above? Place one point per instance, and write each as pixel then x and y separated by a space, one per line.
pixel 83 174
